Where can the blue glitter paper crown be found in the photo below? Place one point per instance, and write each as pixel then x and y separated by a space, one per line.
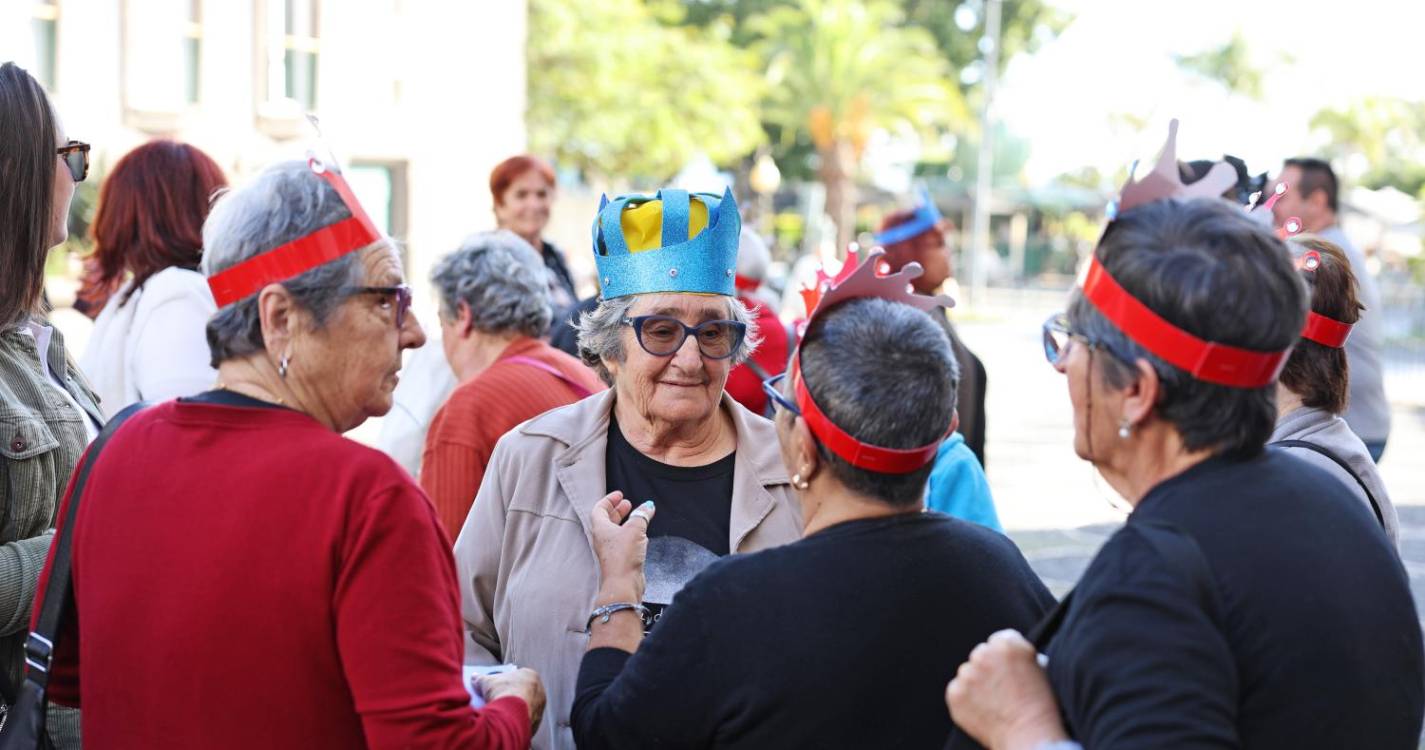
pixel 671 242
pixel 926 217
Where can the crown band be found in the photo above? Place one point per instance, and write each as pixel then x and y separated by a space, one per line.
pixel 1208 361
pixel 1325 331
pixel 855 452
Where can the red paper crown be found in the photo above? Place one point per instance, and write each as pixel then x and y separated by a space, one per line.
pixel 1319 328
pixel 302 254
pixel 857 279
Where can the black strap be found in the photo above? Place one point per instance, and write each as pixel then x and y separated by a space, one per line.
pixel 39 646
pixel 1341 462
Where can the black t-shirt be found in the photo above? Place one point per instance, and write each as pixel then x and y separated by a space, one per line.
pixel 845 639
pixel 1294 626
pixel 691 528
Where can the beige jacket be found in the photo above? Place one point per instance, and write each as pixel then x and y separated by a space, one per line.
pixel 525 556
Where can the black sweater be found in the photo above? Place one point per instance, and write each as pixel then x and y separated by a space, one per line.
pixel 1244 604
pixel 844 639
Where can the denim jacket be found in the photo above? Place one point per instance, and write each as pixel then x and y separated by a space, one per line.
pixel 41 440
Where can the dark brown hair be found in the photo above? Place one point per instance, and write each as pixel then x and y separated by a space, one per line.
pixel 1319 373
pixel 1316 174
pixel 151 211
pixel 506 172
pixel 28 159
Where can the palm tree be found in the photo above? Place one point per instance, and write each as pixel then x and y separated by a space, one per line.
pixel 838 70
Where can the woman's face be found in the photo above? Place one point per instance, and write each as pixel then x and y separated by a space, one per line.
pixel 1095 432
pixel 351 364
pixel 684 386
pixel 524 208
pixel 63 188
pixel 934 258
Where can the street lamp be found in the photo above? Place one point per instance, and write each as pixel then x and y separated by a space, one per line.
pixel 765 178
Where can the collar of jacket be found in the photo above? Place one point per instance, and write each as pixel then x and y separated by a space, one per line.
pixel 583 428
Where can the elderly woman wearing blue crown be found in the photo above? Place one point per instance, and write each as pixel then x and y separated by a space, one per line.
pixel 668 330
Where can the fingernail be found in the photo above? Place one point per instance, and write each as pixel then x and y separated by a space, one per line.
pixel 648 504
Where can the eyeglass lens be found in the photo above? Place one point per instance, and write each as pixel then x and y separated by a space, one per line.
pixel 662 336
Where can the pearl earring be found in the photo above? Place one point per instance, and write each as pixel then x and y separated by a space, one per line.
pixel 1124 431
pixel 282 366
pixel 800 483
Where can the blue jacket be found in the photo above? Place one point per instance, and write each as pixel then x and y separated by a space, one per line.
pixel 958 486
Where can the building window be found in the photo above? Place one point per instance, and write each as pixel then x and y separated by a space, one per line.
pixel 161 61
pixel 193 52
pixel 44 22
pixel 292 48
pixel 382 188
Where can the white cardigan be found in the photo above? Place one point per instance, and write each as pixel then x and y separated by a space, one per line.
pixel 154 347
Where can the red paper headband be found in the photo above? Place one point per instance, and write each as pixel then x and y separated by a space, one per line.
pixel 302 254
pixel 859 279
pixel 1205 360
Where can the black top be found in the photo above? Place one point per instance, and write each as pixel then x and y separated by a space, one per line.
pixel 562 334
pixel 225 397
pixel 692 524
pixel 1244 604
pixel 846 638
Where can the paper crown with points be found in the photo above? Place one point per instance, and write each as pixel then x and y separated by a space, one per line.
pixel 673 241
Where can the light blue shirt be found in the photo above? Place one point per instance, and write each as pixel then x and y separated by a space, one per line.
pixel 958 486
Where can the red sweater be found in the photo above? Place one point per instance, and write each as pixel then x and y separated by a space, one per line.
pixel 246 578
pixel 464 432
pixel 743 384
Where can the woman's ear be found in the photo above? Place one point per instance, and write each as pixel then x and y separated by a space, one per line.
pixel 1141 395
pixel 278 314
pixel 808 461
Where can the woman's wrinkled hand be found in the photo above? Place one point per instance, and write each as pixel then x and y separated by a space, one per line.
pixel 621 543
pixel 523 683
pixel 1002 698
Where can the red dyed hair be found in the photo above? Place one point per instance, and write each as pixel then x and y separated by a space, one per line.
pixel 507 171
pixel 151 211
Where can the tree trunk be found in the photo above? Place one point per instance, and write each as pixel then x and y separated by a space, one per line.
pixel 837 162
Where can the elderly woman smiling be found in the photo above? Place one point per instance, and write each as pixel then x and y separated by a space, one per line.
pixel 237 528
pixel 664 337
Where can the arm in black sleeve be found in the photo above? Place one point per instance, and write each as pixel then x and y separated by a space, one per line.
pixel 666 694
pixel 1148 666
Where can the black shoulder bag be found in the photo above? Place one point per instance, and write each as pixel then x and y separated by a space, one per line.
pixel 1341 462
pixel 24 727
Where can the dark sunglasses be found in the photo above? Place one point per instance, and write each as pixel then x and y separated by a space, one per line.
pixel 402 293
pixel 771 386
pixel 76 157
pixel 663 335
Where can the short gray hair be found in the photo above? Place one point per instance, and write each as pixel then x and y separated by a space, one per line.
pixel 883 372
pixel 284 202
pixel 601 333
pixel 502 280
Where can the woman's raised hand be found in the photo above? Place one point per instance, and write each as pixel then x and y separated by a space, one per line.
pixel 621 543
pixel 1002 698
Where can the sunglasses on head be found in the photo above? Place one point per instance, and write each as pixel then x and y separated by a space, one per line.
pixel 76 157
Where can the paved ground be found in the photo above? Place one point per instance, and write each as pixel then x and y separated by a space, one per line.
pixel 1056 507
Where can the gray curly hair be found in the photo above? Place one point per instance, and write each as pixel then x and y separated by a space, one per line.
pixel 600 333
pixel 284 202
pixel 501 279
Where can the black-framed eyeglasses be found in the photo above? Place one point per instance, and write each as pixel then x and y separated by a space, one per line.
pixel 771 386
pixel 401 294
pixel 663 335
pixel 76 157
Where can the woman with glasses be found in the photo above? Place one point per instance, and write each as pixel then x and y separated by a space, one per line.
pixel 149 344
pixel 47 414
pixel 1250 600
pixel 664 336
pixel 845 638
pixel 246 577
pixel 494 307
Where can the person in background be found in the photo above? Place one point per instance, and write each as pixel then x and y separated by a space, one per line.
pixel 958 487
pixel 494 307
pixel 149 342
pixel 287 544
pixel 522 188
pixel 1313 387
pixel 744 383
pixel 664 337
pixel 426 383
pixel 918 234
pixel 1249 600
pixel 1312 196
pixel 49 414
pixel 846 637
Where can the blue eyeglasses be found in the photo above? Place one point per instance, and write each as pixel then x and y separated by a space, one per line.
pixel 770 387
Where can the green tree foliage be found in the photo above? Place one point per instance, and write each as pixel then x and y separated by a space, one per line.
pixel 1388 133
pixel 625 91
pixel 837 70
pixel 1229 64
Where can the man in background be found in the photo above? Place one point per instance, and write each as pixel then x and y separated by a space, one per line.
pixel 1311 197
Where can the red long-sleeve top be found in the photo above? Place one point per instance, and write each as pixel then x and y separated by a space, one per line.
pixel 246 578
